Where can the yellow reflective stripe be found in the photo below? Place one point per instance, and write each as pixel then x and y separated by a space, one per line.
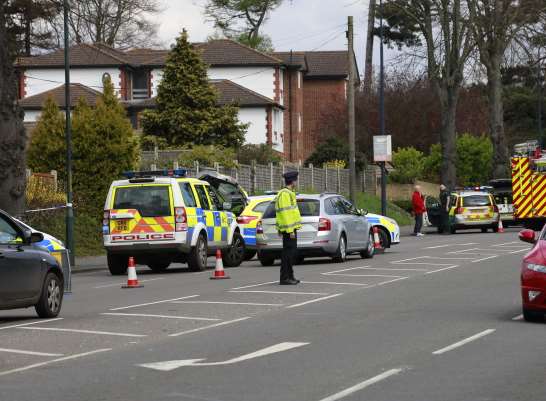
pixel 289 225
pixel 283 209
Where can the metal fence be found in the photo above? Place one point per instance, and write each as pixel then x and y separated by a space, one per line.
pixel 257 178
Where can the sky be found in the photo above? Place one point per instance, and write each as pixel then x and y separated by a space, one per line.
pixel 295 25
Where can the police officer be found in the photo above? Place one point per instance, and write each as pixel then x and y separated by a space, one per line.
pixel 443 227
pixel 288 221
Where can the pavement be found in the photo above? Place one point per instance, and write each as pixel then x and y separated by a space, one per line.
pixel 433 319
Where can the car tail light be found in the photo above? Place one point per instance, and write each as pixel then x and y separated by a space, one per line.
pixel 324 225
pixel 495 209
pixel 180 219
pixel 259 228
pixel 459 210
pixel 106 222
pixel 246 219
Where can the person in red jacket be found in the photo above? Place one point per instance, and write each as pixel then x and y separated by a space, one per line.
pixel 418 205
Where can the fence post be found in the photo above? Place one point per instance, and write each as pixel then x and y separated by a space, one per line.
pixel 197 168
pixel 175 165
pixel 338 181
pixel 156 157
pixel 217 167
pixel 312 176
pixel 253 177
pixel 325 168
pixel 153 167
pixel 55 176
pixel 271 176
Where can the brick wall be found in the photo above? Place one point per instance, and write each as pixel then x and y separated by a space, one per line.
pixel 293 102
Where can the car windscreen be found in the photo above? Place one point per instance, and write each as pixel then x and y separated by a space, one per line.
pixel 149 200
pixel 261 207
pixel 307 208
pixel 476 200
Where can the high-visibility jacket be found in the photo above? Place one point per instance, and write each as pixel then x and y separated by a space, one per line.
pixel 288 215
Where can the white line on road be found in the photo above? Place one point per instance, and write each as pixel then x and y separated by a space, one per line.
pixel 104 333
pixel 154 303
pixel 254 285
pixel 463 342
pixel 363 385
pixel 391 281
pixel 120 284
pixel 205 319
pixel 520 250
pixel 28 324
pixel 486 258
pixel 279 292
pixel 508 243
pixel 334 283
pixel 313 301
pixel 226 303
pixel 442 269
pixel 66 358
pixel 209 327
pixel 345 270
pixel 518 317
pixel 450 245
pixel 393 269
pixel 20 351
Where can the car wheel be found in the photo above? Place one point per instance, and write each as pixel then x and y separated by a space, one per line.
pixel 117 264
pixel 249 254
pixel 235 254
pixel 266 260
pixel 51 299
pixel 197 260
pixel 384 238
pixel 532 316
pixel 341 254
pixel 484 230
pixel 370 250
pixel 159 267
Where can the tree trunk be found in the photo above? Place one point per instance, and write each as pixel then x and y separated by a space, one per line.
pixel 12 132
pixel 496 118
pixel 448 135
pixel 368 62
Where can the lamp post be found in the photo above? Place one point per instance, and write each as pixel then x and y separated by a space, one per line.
pixel 382 109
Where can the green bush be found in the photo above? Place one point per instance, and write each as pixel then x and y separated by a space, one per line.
pixel 474 159
pixel 372 204
pixel 262 154
pixel 409 165
pixel 433 163
pixel 207 155
pixel 334 149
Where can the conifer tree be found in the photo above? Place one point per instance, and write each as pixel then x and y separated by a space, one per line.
pixel 187 111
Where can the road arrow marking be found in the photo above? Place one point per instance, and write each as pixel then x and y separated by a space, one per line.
pixel 167 366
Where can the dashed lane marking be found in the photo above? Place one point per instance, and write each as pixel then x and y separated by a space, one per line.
pixel 103 333
pixel 31 323
pixel 24 352
pixel 518 317
pixel 209 327
pixel 313 301
pixel 463 342
pixel 205 319
pixel 66 358
pixel 154 303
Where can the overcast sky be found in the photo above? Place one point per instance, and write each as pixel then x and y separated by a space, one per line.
pixel 295 25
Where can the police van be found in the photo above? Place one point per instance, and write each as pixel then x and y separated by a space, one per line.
pixel 161 217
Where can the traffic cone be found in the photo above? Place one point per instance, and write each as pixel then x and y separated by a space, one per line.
pixel 219 273
pixel 501 227
pixel 132 279
pixel 376 241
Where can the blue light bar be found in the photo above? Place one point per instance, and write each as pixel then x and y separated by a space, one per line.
pixel 176 173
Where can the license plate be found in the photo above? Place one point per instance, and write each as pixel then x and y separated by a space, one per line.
pixel 122 225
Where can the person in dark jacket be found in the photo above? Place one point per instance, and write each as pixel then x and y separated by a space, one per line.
pixel 443 227
pixel 418 206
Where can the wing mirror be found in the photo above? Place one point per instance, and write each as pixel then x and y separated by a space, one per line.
pixel 363 212
pixel 30 237
pixel 527 236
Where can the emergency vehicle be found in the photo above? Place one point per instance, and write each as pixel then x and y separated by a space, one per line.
pixel 161 217
pixel 529 185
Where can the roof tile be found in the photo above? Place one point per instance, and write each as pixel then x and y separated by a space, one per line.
pixel 77 91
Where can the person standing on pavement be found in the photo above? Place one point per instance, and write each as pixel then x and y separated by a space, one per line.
pixel 288 223
pixel 443 227
pixel 418 206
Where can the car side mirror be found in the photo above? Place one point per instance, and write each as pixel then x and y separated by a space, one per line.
pixel 528 236
pixel 363 212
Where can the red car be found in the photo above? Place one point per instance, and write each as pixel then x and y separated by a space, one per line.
pixel 533 277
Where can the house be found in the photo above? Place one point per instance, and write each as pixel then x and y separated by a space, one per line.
pixel 283 97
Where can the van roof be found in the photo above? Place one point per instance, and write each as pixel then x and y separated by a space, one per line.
pixel 159 180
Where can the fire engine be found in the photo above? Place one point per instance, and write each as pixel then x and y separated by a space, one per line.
pixel 529 185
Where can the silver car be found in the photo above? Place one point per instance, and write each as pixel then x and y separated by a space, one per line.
pixel 331 226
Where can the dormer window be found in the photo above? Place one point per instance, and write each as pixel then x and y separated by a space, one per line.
pixel 141 84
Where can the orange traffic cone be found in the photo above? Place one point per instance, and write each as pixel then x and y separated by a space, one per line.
pixel 376 241
pixel 501 227
pixel 132 279
pixel 219 273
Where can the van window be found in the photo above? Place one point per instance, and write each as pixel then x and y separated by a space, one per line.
pixel 202 195
pixel 187 195
pixel 476 200
pixel 149 200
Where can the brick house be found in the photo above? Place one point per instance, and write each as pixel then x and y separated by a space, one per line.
pixel 281 96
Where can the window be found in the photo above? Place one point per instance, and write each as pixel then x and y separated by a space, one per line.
pixel 476 200
pixel 309 207
pixel 202 195
pixel 149 200
pixel 216 198
pixel 337 206
pixel 261 207
pixel 187 195
pixel 8 234
pixel 140 84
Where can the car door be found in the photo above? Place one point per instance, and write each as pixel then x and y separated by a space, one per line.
pixel 359 225
pixel 344 218
pixel 433 211
pixel 20 264
pixel 210 219
pixel 229 190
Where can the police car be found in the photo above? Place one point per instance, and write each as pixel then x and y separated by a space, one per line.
pixel 161 217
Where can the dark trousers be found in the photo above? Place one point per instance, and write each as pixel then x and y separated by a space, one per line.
pixel 444 222
pixel 289 248
pixel 418 223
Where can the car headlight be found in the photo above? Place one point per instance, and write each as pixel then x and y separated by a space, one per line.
pixel 536 268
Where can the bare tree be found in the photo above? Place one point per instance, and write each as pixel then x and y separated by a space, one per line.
pixel 368 62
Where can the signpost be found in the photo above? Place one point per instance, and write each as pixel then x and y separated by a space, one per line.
pixel 382 153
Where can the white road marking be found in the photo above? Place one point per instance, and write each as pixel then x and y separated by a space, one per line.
pixel 449 245
pixel 345 270
pixel 486 258
pixel 171 365
pixel 463 342
pixel 392 268
pixel 518 317
pixel 226 303
pixel 66 358
pixel 313 301
pixel 508 243
pixel 333 283
pixel 480 251
pixel 209 327
pixel 520 250
pixel 28 324
pixel 206 319
pixel 120 284
pixel 453 258
pixel 391 281
pixel 279 292
pixel 362 385
pixel 153 303
pixel 104 333
pixel 254 285
pixel 20 351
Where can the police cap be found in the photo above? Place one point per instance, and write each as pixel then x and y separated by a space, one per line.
pixel 290 177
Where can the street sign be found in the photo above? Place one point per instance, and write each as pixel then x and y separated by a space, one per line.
pixel 382 148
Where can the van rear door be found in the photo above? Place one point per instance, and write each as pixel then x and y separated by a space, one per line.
pixel 142 212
